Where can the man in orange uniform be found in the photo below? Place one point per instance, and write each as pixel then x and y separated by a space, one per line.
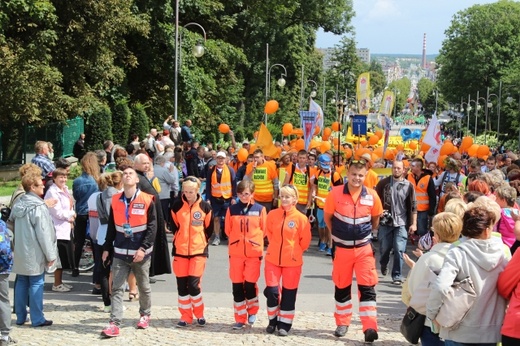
pixel 425 195
pixel 245 225
pixel 220 191
pixel 352 214
pixel 192 227
pixel 263 174
pixel 324 180
pixel 300 175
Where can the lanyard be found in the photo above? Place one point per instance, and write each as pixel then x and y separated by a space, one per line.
pixel 127 205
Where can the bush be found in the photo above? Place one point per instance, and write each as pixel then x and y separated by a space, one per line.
pixel 98 126
pixel 121 119
pixel 139 123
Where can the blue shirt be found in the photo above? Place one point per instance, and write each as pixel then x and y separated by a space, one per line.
pixel 44 163
pixel 82 188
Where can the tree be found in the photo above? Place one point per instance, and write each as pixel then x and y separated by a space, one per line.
pixel 98 126
pixel 425 88
pixel 121 118
pixel 139 123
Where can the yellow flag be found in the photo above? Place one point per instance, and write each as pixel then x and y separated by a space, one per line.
pixel 363 93
pixel 387 103
pixel 265 142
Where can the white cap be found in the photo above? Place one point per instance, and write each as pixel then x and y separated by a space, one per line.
pixel 221 154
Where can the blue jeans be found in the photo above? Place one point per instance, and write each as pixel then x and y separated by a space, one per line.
pixel 423 224
pixel 29 289
pixel 455 343
pixel 392 238
pixel 428 338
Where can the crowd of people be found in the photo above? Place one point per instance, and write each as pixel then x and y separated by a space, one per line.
pixel 463 217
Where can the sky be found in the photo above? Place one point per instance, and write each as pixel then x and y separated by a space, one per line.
pixel 398 26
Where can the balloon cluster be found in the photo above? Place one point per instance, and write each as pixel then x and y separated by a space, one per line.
pixel 407 134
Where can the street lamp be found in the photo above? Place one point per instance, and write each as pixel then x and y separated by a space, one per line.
pixel 198 51
pixel 510 100
pixel 281 81
pixel 313 92
pixel 490 105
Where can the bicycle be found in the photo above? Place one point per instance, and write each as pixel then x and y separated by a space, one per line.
pixel 86 263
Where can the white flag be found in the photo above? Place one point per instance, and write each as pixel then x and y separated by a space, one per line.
pixel 433 133
pixel 314 107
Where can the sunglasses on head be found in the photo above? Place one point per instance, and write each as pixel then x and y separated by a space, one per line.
pixel 358 162
pixel 192 179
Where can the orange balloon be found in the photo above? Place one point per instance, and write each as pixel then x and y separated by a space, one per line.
pixel 440 160
pixel 287 129
pixel 389 154
pixel 482 151
pixel 447 148
pixel 424 147
pixel 400 147
pixel 327 131
pixel 325 145
pixel 271 107
pixel 223 128
pixel 374 157
pixel 314 144
pixel 316 130
pixel 364 143
pixel 348 153
pixel 379 134
pixel 300 144
pixel 359 152
pixel 472 150
pixel 466 143
pixel 335 126
pixel 252 148
pixel 455 150
pixel 242 155
pixel 412 145
pixel 297 132
pixel 335 141
pixel 379 152
pixel 373 140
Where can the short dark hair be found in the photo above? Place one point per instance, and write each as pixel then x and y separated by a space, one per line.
pixel 62 163
pixel 476 221
pixel 245 184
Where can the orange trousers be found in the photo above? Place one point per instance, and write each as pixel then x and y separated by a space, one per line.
pixel 244 273
pixel 189 273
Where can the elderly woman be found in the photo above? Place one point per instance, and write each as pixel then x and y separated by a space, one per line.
pixel 446 229
pixel 481 257
pixel 35 249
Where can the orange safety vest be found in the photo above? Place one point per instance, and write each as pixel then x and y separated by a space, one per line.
pixel 222 189
pixel 421 192
pixel 135 214
pixel 193 227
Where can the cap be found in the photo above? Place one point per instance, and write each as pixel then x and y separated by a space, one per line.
pixel 221 154
pixel 324 161
pixel 367 157
pixel 245 142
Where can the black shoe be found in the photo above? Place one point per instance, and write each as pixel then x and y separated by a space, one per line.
pixel 75 273
pixel 282 332
pixel 270 329
pixel 341 331
pixel 96 291
pixel 384 271
pixel 152 280
pixel 370 335
pixel 45 324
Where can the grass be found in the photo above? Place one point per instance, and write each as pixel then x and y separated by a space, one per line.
pixel 7 188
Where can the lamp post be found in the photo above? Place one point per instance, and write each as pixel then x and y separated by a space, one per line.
pixel 477 107
pixel 198 51
pixel 314 91
pixel 489 105
pixel 281 83
pixel 436 94
pixel 510 100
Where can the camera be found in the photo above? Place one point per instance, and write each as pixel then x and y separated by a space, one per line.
pixel 386 218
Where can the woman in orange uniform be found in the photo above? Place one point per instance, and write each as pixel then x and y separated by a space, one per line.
pixel 245 224
pixel 192 227
pixel 289 235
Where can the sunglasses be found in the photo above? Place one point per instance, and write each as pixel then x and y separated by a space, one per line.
pixel 192 179
pixel 358 162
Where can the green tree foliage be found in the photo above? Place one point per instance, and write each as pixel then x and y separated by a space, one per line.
pixel 98 126
pixel 425 89
pixel 402 88
pixel 121 120
pixel 139 123
pixel 480 49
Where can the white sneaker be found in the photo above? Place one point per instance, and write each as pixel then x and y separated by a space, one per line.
pixel 107 309
pixel 216 241
pixel 60 288
pixel 68 286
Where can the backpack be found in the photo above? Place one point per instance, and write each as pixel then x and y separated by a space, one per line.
pixel 6 254
pixel 440 190
pixel 175 136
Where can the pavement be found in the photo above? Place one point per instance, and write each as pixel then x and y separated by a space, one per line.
pixel 79 318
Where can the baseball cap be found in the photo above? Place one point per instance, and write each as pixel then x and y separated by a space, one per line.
pixel 221 154
pixel 367 157
pixel 324 161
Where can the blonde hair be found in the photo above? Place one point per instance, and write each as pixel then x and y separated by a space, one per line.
pixel 487 203
pixel 507 193
pixel 191 181
pixel 289 190
pixel 456 206
pixel 29 168
pixel 447 226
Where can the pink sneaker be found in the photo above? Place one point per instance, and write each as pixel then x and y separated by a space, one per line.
pixel 111 331
pixel 144 322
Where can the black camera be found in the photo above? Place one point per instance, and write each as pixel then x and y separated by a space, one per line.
pixel 386 218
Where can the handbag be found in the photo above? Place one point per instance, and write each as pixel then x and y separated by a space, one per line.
pixel 456 304
pixel 412 325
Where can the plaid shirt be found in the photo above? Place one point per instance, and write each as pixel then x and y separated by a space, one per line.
pixel 44 163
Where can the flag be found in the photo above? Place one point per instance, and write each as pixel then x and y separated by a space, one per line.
pixel 314 107
pixel 264 141
pixel 433 139
pixel 363 93
pixel 308 123
pixel 387 104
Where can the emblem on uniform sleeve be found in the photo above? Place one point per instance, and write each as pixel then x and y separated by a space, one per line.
pixel 291 224
pixel 197 215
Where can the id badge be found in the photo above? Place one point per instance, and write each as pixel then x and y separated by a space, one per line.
pixel 128 230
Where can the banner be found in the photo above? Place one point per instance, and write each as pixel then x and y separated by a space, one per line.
pixel 359 125
pixel 308 123
pixel 314 107
pixel 387 103
pixel 433 139
pixel 363 93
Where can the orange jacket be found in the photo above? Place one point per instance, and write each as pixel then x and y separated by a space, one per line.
pixel 508 286
pixel 289 234
pixel 245 227
pixel 193 226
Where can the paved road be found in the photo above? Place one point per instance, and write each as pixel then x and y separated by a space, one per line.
pixel 78 314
